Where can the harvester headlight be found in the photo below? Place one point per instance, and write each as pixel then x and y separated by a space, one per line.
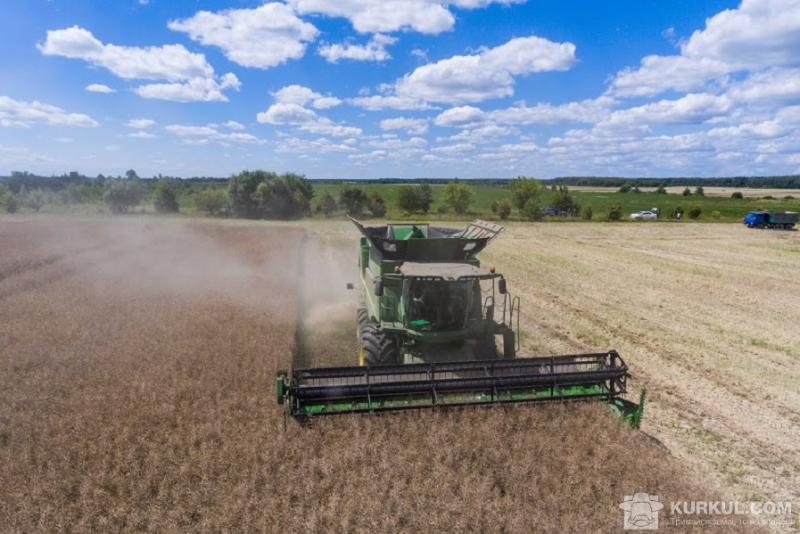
pixel 389 247
pixel 469 246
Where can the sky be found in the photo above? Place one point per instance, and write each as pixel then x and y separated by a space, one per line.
pixel 401 88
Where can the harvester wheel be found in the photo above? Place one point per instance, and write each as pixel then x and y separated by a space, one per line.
pixel 361 317
pixel 377 347
pixel 487 348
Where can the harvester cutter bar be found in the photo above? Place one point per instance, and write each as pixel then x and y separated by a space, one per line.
pixel 357 389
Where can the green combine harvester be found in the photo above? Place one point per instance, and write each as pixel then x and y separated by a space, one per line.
pixel 438 329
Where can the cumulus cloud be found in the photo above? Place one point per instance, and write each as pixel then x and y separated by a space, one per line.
pixel 374 50
pixel 411 126
pixel 99 88
pixel 140 123
pixel 758 33
pixel 196 134
pixel 476 77
pixel 298 94
pixel 369 16
pixel 20 113
pixel 289 109
pixel 142 135
pixel 188 75
pixel 262 37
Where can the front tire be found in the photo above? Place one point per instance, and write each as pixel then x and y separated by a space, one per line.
pixel 377 347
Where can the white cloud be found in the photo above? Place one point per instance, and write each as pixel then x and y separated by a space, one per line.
pixel 693 108
pixel 140 123
pixel 483 134
pixel 21 113
pixel 771 86
pixel 368 16
pixel 294 114
pixel 194 134
pixel 99 88
pixel 233 125
pixel 411 126
pixel 374 50
pixel 142 135
pixel 455 148
pixel 194 90
pixel 758 34
pixel 300 95
pixel 379 102
pixel 460 116
pixel 263 37
pixel 189 76
pixel 489 74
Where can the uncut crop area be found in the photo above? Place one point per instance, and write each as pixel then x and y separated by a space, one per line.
pixel 137 364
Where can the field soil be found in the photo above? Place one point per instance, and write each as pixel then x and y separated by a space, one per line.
pixel 137 362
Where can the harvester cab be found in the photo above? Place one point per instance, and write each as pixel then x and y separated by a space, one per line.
pixel 437 328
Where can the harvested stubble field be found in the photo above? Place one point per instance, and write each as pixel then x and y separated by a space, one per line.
pixel 136 393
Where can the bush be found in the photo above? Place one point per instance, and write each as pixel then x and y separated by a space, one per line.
pixel 211 201
pixel 532 210
pixel 661 190
pixel 353 200
pixel 625 188
pixel 788 197
pixel 458 196
pixel 164 197
pixel 494 206
pixel 563 202
pixel 504 209
pixel 614 212
pixel 121 195
pixel 676 213
pixel 586 213
pixel 715 214
pixel 523 189
pixel 768 197
pixel 699 191
pixel 694 212
pixel 737 194
pixel 636 190
pixel 409 199
pixel 263 194
pixel 377 206
pixel 8 201
pixel 687 192
pixel 326 204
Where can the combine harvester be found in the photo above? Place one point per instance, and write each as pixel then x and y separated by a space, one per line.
pixel 440 330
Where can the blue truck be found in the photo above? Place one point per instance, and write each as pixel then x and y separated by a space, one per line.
pixel 764 219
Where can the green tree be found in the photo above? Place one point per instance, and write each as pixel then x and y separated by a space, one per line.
pixel 523 189
pixel 353 200
pixel 564 202
pixel 164 198
pixel 624 188
pixel 377 206
pixel 494 206
pixel 737 194
pixel 409 198
pixel 458 196
pixel 425 195
pixel 327 204
pixel 586 213
pixel 504 209
pixel 288 196
pixel 130 174
pixel 264 194
pixel 614 212
pixel 121 195
pixel 660 190
pixel 8 201
pixel 211 201
pixel 694 212
pixel 36 199
pixel 699 191
pixel 532 210
pixel 687 192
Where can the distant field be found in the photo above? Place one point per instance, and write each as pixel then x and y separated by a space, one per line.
pixel 709 191
pixel 730 210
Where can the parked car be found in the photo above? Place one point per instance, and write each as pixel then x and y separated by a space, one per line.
pixel 644 216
